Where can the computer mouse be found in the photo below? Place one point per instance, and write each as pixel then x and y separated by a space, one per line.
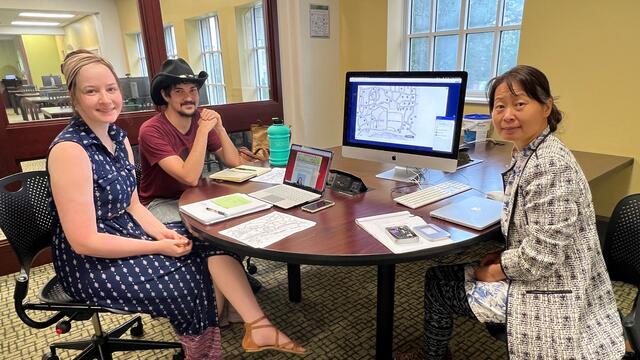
pixel 495 195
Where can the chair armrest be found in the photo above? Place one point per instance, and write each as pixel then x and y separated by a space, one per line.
pixel 22 286
pixel 631 323
pixel 19 294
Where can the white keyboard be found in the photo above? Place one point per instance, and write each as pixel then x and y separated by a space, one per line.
pixel 432 194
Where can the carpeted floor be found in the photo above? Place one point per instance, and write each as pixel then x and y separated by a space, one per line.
pixel 335 320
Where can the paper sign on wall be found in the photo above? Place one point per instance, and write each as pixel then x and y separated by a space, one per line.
pixel 319 20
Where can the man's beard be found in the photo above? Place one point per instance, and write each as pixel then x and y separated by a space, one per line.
pixel 184 113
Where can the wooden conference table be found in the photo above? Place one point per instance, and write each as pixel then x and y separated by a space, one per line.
pixel 336 240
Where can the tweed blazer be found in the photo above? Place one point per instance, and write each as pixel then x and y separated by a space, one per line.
pixel 560 301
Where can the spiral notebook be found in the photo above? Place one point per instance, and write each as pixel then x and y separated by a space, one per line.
pixel 221 208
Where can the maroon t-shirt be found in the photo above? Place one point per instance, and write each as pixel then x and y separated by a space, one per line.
pixel 159 139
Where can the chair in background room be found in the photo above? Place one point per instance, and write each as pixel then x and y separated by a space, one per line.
pixel 26 221
pixel 58 97
pixel 31 108
pixel 621 252
pixel 28 88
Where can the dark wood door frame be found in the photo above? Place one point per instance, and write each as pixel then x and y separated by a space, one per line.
pixel 30 140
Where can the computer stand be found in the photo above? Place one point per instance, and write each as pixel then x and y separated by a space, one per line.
pixel 464 159
pixel 469 163
pixel 403 174
pixel 413 175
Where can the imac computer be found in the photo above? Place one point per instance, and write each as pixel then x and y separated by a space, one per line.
pixel 411 119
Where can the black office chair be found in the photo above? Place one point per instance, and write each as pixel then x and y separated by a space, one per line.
pixel 26 221
pixel 621 252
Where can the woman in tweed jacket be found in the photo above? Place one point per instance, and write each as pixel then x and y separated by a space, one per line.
pixel 550 284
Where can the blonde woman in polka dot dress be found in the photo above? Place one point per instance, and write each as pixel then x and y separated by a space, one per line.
pixel 109 250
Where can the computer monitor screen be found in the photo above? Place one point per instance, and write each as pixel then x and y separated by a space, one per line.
pixel 51 80
pixel 411 119
pixel 10 77
pixel 135 87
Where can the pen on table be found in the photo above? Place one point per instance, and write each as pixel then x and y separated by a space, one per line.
pixel 244 169
pixel 217 211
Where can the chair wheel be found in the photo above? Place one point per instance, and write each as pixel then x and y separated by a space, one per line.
pixel 251 268
pixel 49 356
pixel 137 330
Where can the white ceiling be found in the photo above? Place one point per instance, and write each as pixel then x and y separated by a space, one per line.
pixel 9 15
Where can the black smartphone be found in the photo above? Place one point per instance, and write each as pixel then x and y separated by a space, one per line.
pixel 402 234
pixel 318 205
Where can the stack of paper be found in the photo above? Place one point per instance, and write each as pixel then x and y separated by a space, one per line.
pixel 376 226
pixel 240 173
pixel 224 207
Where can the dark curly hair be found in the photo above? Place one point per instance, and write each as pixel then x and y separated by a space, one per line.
pixel 535 85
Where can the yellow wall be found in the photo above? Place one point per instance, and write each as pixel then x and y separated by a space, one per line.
pixel 590 55
pixel 42 52
pixel 45 53
pixel 129 25
pixel 183 15
pixel 82 34
pixel 9 59
pixel 363 35
pixel 60 43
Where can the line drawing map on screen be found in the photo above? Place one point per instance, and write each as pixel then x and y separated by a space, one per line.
pixel 398 114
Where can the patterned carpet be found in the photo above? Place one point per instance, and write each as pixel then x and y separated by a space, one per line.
pixel 335 320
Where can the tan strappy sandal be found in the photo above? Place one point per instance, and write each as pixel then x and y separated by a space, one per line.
pixel 250 346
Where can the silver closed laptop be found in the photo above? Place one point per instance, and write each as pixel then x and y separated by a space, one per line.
pixel 474 212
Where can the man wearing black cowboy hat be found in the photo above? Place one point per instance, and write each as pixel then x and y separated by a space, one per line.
pixel 173 143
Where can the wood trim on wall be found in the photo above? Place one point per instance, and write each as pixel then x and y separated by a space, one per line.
pixel 152 34
pixel 30 140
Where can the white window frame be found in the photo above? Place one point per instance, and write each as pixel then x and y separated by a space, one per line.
pixel 462 32
pixel 211 85
pixel 170 42
pixel 254 49
pixel 142 59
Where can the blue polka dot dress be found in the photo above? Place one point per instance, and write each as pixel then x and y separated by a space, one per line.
pixel 179 289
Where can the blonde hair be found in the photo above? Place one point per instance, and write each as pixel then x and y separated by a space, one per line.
pixel 75 61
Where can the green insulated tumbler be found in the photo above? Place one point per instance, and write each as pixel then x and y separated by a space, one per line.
pixel 279 136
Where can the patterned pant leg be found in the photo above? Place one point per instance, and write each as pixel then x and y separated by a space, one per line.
pixel 207 346
pixel 444 297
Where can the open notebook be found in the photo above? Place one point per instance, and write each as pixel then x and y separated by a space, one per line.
pixel 214 210
pixel 239 173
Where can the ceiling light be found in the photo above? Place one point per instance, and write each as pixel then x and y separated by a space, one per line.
pixel 46 15
pixel 35 23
